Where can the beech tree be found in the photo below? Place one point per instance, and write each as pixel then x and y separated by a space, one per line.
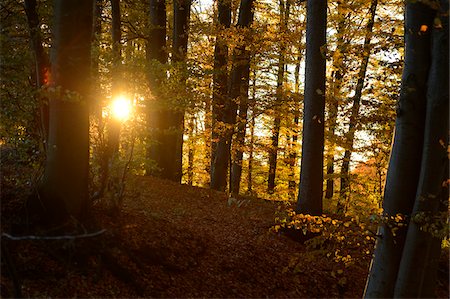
pixel 240 60
pixel 220 75
pixel 311 173
pixel 273 151
pixel 418 165
pixel 356 103
pixel 64 189
pixel 181 16
pixel 156 54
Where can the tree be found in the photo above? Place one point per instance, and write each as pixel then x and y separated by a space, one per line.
pixel 240 60
pixel 311 173
pixel 273 151
pixel 350 136
pixel 64 189
pixel 181 16
pixel 220 75
pixel 157 57
pixel 415 154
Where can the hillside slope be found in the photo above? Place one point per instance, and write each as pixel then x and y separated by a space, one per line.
pixel 180 241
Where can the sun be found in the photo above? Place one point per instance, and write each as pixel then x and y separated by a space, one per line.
pixel 121 108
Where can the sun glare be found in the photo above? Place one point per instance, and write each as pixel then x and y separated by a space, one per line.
pixel 121 108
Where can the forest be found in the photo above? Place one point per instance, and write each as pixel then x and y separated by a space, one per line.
pixel 224 148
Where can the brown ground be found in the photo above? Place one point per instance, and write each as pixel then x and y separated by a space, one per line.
pixel 181 241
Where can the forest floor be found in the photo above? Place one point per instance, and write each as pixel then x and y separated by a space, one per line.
pixel 172 240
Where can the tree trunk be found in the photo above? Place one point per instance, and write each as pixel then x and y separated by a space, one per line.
pixel 157 57
pixel 42 66
pixel 181 17
pixel 236 170
pixel 191 149
pixel 311 173
pixel 273 150
pixel 344 192
pixel 335 98
pixel 252 138
pixel 220 75
pixel 405 162
pixel 64 190
pixel 221 161
pixel 418 268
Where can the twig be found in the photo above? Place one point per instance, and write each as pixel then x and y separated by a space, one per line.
pixel 15 238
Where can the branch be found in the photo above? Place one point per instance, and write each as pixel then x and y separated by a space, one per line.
pixel 15 238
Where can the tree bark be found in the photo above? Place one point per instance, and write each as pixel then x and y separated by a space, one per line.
pixel 311 173
pixel 181 17
pixel 344 192
pixel 236 169
pixel 418 268
pixel 64 190
pixel 293 150
pixel 252 138
pixel 220 74
pixel 273 150
pixel 156 53
pixel 240 57
pixel 405 162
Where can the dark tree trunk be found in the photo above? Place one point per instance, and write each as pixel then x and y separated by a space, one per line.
pixel 64 190
pixel 191 148
pixel 273 150
pixel 42 66
pixel 181 17
pixel 220 75
pixel 240 57
pixel 157 58
pixel 344 192
pixel 405 162
pixel 418 268
pixel 293 151
pixel 311 173
pixel 236 169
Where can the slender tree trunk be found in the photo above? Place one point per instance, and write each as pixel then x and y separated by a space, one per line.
pixel 311 173
pixel 236 170
pixel 220 75
pixel 405 162
pixel 273 151
pixel 335 98
pixel 344 192
pixel 157 58
pixel 191 149
pixel 64 190
pixel 252 139
pixel 418 268
pixel 293 151
pixel 333 112
pixel 42 66
pixel 240 57
pixel 181 18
